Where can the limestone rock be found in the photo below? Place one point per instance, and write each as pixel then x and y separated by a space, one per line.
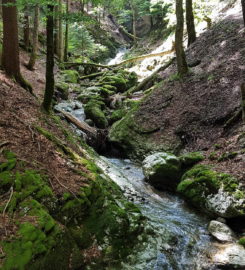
pixel 162 170
pixel 231 256
pixel 221 231
pixel 218 194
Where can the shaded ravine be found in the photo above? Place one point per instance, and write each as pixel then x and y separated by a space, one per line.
pixel 181 240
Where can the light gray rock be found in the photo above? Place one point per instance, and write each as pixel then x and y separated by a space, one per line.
pixel 225 204
pixel 230 256
pixel 221 231
pixel 162 170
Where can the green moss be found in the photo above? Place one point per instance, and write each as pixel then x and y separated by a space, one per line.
pixel 201 181
pixel 227 156
pixel 117 81
pixel 93 110
pixel 213 156
pixel 191 159
pixel 70 76
pixel 242 241
pixel 63 88
pixel 117 115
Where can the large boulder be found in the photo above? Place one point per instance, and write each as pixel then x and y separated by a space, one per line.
pixel 162 170
pixel 93 110
pixel 218 194
pixel 231 256
pixel 221 231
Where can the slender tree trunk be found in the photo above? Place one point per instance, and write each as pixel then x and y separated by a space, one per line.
pixel 10 55
pixel 1 9
pixel 66 33
pixel 49 88
pixel 33 56
pixel 26 29
pixel 60 47
pixel 180 54
pixel 243 10
pixel 56 29
pixel 190 23
pixel 134 16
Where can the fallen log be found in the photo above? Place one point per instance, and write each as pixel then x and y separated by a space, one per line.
pixel 134 59
pixel 91 76
pixel 81 125
pixel 70 64
pixel 150 78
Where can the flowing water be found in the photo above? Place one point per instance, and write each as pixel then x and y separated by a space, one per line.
pixel 118 58
pixel 181 241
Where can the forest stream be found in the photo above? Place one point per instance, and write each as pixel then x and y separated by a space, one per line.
pixel 181 240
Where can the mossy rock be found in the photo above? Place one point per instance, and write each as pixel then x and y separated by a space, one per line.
pixel 70 76
pixel 63 89
pixel 55 232
pixel 117 81
pixel 117 115
pixel 93 110
pixel 218 194
pixel 134 141
pixel 191 159
pixel 162 170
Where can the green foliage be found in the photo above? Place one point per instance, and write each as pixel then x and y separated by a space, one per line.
pixel 80 40
pixel 242 241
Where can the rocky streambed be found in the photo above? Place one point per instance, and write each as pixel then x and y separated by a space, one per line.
pixel 177 236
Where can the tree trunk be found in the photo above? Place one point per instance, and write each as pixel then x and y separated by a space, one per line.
pixel 60 45
pixel 10 55
pixel 180 54
pixel 134 16
pixel 66 33
pixel 49 89
pixel 56 28
pixel 243 10
pixel 190 23
pixel 26 30
pixel 33 56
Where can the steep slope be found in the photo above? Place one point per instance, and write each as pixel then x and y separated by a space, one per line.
pixel 191 114
pixel 58 211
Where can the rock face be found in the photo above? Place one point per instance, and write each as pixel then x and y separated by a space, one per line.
pixel 221 231
pixel 231 256
pixel 218 194
pixel 162 170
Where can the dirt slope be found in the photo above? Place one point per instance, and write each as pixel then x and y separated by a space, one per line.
pixel 190 114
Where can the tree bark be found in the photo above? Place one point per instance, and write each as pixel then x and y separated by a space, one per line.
pixel 180 54
pixel 10 55
pixel 26 30
pixel 49 88
pixel 60 45
pixel 243 10
pixel 66 33
pixel 56 28
pixel 190 23
pixel 33 56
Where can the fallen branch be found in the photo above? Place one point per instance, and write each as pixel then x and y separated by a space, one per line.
pixel 150 78
pixel 134 59
pixel 9 200
pixel 233 119
pixel 81 125
pixel 4 143
pixel 70 64
pixel 65 187
pixel 91 76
